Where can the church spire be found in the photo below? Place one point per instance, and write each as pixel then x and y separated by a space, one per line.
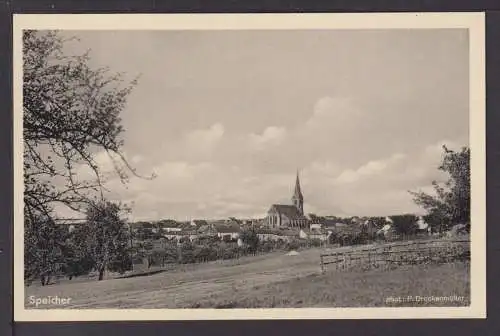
pixel 298 192
pixel 298 198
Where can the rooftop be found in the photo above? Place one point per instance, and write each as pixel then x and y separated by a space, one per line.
pixel 288 210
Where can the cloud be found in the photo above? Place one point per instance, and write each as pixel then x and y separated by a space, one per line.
pixel 210 172
pixel 106 162
pixel 379 187
pixel 191 145
pixel 206 189
pixel 271 136
pixel 370 169
pixel 332 111
pixel 239 152
pixel 203 141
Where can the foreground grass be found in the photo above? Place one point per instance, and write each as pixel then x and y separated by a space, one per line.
pixel 354 289
pixel 274 280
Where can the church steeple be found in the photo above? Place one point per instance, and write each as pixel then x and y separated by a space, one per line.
pixel 298 198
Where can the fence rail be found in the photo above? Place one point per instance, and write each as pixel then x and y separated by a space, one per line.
pixel 413 252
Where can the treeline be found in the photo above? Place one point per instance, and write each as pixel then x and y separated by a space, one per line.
pixel 103 243
pixel 209 248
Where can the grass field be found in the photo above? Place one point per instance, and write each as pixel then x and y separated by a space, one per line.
pixel 274 280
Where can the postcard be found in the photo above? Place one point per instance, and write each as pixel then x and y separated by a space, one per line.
pixel 249 166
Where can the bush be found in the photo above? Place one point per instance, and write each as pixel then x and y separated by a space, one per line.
pixel 250 238
pixel 208 241
pixel 184 240
pixel 333 239
pixel 315 242
pixel 157 258
pixel 205 253
pixel 361 238
pixel 292 245
pixel 187 253
pixel 267 246
pixel 171 255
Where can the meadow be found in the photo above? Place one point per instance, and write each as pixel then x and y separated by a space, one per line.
pixel 273 280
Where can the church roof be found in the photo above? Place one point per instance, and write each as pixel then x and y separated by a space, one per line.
pixel 288 210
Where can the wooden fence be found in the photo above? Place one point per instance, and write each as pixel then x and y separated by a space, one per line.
pixel 387 255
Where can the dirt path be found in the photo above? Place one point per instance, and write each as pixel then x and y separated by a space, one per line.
pixel 179 289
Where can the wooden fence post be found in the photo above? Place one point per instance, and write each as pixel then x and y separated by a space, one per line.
pixel 322 264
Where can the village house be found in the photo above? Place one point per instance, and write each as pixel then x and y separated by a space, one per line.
pixel 179 235
pixel 167 225
pixel 315 226
pixel 136 226
pixel 229 231
pixel 267 235
pixel 314 234
pixel 207 230
pixel 172 229
pixel 288 235
pixel 422 225
pixel 159 244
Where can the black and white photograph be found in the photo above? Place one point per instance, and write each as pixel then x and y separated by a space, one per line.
pixel 268 169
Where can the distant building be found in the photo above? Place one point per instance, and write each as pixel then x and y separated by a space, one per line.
pixel 284 215
pixel 172 229
pixel 315 226
pixel 180 235
pixel 265 234
pixel 314 234
pixel 227 231
pixel 207 230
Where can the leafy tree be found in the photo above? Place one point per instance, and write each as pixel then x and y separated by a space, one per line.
pixel 106 238
pixel 266 246
pixel 313 217
pixel 187 252
pixel 44 248
pixel 451 204
pixel 77 261
pixel 333 239
pixel 250 238
pixel 315 242
pixel 209 240
pixel 71 111
pixel 292 245
pixel 404 224
pixel 377 222
pixel 171 253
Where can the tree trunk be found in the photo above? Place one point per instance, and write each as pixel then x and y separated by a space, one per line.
pixel 101 274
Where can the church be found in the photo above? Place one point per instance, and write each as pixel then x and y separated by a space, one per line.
pixel 288 215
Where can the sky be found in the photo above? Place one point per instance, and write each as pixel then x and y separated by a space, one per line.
pixel 226 118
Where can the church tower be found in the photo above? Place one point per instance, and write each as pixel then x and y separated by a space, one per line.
pixel 297 198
